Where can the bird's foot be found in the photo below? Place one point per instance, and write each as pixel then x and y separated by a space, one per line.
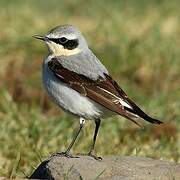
pixel 91 155
pixel 94 156
pixel 65 154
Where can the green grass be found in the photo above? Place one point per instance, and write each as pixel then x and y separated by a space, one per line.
pixel 138 42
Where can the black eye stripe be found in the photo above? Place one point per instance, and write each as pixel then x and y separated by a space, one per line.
pixel 54 40
pixel 67 44
pixel 71 44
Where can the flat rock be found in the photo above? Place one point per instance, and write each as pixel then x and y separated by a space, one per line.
pixel 115 167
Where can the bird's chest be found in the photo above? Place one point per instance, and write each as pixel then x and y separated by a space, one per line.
pixel 67 98
pixel 57 90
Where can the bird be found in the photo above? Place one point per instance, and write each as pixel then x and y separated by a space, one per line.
pixel 80 84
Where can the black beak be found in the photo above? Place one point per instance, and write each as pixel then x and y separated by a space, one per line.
pixel 43 38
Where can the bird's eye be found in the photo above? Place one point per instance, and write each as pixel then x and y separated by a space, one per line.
pixel 62 40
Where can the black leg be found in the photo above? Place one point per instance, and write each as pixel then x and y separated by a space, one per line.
pixel 97 122
pixel 66 153
pixel 74 139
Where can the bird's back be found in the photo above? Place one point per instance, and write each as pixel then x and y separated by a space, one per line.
pixel 85 63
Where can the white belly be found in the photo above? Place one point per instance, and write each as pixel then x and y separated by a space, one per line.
pixel 69 99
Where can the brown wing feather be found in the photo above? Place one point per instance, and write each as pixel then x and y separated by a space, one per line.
pixel 103 91
pixel 135 109
pixel 87 86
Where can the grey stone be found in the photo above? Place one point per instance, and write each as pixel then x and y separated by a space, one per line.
pixel 115 168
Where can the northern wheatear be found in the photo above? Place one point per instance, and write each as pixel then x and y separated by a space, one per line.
pixel 80 84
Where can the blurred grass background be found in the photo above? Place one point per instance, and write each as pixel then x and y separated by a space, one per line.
pixel 139 42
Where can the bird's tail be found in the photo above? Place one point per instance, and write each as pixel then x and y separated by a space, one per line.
pixel 139 113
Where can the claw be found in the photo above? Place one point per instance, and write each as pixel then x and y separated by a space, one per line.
pixel 95 157
pixel 63 154
pixel 91 155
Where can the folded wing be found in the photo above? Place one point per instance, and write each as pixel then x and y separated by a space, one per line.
pixel 104 91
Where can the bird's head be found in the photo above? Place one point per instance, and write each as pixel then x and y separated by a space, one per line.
pixel 64 40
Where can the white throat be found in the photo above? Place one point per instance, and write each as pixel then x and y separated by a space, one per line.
pixel 58 50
